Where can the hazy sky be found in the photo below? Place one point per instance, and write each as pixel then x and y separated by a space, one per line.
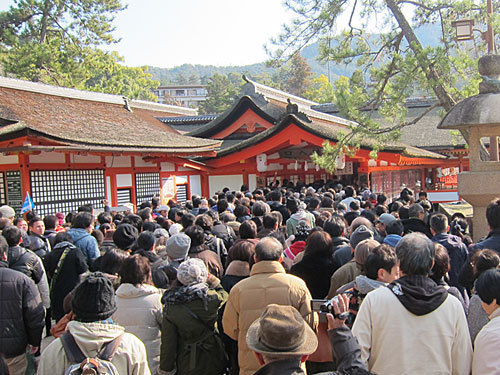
pixel 166 33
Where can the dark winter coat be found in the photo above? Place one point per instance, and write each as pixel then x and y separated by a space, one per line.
pixel 39 245
pixel 316 271
pixel 492 241
pixel 21 312
pixel 458 254
pixel 277 206
pixel 191 344
pixel 74 264
pixel 26 262
pixel 416 225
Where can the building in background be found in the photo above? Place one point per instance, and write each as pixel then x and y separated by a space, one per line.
pixel 189 96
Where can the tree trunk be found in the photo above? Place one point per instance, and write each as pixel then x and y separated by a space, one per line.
pixel 445 99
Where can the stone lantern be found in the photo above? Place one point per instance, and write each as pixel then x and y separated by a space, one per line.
pixel 479 116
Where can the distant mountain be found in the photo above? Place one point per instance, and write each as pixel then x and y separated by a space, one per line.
pixel 429 35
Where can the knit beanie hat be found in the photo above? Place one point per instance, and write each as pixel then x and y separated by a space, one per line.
pixel 178 246
pixel 94 299
pixel 361 233
pixel 192 271
pixel 7 211
pixel 125 236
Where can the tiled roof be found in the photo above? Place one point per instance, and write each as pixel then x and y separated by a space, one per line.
pixel 327 132
pixel 425 133
pixel 92 119
pixel 187 120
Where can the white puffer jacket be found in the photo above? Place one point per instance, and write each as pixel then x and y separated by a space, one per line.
pixel 140 313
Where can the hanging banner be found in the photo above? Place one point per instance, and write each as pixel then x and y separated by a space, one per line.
pixel 168 189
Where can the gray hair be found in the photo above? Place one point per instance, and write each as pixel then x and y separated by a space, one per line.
pixel 415 209
pixel 268 248
pixel 260 208
pixel 4 246
pixel 416 254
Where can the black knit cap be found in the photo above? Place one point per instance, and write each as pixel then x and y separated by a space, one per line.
pixel 94 299
pixel 125 236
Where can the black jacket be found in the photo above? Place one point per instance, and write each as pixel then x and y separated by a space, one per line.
pixel 21 312
pixel 416 225
pixel 458 254
pixel 39 245
pixel 74 264
pixel 316 271
pixel 25 261
pixel 492 241
pixel 345 350
pixel 277 206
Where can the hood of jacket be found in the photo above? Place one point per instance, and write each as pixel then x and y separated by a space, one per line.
pixel 90 337
pixel 366 285
pixel 63 245
pixel 449 241
pixel 420 295
pixel 78 233
pixel 299 215
pixel 127 290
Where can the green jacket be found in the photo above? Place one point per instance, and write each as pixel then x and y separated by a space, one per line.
pixel 188 345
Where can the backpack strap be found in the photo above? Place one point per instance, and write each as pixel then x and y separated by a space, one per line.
pixel 75 354
pixel 58 269
pixel 71 348
pixel 109 349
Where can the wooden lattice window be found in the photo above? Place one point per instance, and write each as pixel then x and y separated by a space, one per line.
pixel 65 191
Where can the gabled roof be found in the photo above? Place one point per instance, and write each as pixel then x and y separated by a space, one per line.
pixel 326 132
pixel 79 118
pixel 224 120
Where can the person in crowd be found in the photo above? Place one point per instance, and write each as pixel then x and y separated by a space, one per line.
pixel 274 200
pixel 109 264
pixel 381 225
pixel 380 269
pixel 415 221
pixel 93 304
pixel 428 325
pixel 125 236
pixel 268 283
pixel 37 242
pixel 50 222
pixel 482 261
pixel 335 227
pixel 440 270
pixel 139 307
pixel 457 251
pixel 81 227
pixel 345 276
pixel 107 244
pixel 165 272
pixel 282 340
pixel 297 214
pixel 22 314
pixel 492 242
pixel 350 194
pixel 190 343
pixel 345 254
pixel 213 242
pixel 395 231
pixel 316 267
pixel 460 228
pixel 269 224
pixel 8 212
pixel 200 250
pixel 145 246
pixel 486 359
pixel 65 265
pixel 302 231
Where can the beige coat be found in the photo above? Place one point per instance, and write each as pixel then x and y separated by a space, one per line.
pixel 268 283
pixel 129 359
pixel 345 274
pixel 140 313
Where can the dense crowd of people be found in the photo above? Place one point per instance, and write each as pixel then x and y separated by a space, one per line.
pixel 281 280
